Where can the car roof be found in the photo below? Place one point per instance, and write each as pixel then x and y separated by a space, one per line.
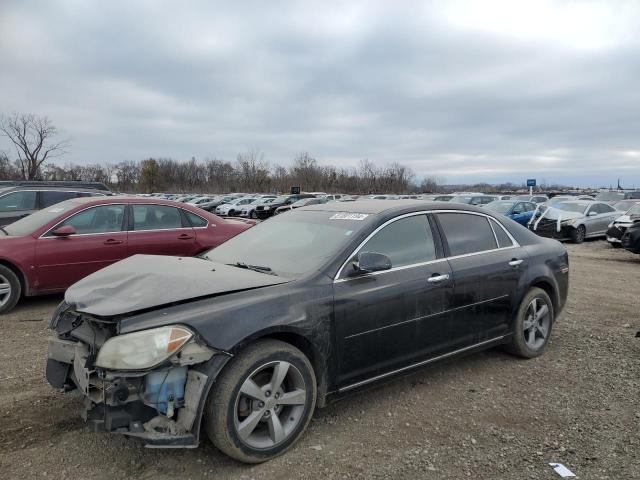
pixel 52 188
pixel 374 207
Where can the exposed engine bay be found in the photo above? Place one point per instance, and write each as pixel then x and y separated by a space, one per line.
pixel 158 404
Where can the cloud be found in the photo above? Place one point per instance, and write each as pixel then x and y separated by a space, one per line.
pixel 473 91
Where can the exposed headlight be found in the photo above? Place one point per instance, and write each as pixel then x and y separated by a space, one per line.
pixel 568 222
pixel 142 350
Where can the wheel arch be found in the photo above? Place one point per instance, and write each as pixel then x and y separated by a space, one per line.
pixel 22 278
pixel 547 285
pixel 302 343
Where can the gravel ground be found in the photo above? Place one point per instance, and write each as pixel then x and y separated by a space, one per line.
pixel 486 416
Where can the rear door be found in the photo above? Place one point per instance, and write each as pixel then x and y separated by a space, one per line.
pixel 390 319
pixel 487 268
pixel 100 240
pixel 16 205
pixel 160 230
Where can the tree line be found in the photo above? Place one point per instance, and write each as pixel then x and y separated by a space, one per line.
pixel 34 139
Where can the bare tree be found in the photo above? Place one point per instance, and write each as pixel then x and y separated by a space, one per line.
pixel 33 138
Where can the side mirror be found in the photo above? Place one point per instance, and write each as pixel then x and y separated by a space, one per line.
pixel 372 262
pixel 64 231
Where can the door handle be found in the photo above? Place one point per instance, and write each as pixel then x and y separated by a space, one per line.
pixel 515 262
pixel 185 236
pixel 112 241
pixel 438 278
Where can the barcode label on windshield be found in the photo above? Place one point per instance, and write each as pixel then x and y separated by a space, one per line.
pixel 348 216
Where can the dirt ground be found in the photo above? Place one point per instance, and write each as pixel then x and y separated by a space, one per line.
pixel 486 416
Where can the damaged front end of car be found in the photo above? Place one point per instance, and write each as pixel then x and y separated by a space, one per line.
pixel 150 384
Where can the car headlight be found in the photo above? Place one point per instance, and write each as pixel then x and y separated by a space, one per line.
pixel 567 222
pixel 610 225
pixel 142 350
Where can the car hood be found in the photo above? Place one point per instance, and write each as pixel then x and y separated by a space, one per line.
pixel 141 282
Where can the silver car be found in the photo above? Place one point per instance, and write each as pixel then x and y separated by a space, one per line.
pixel 574 220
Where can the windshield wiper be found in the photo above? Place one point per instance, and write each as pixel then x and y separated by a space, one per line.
pixel 4 231
pixel 255 268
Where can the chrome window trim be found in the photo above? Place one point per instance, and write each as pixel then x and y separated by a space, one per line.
pixel 515 244
pixel 44 235
pixel 419 364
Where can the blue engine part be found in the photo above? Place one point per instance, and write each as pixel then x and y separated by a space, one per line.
pixel 164 390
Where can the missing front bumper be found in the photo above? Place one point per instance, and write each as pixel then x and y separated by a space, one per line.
pixel 162 413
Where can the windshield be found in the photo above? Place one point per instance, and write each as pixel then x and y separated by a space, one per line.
pixel 500 206
pixel 635 210
pixel 555 200
pixel 571 207
pixel 609 196
pixel 27 225
pixel 292 244
pixel 624 205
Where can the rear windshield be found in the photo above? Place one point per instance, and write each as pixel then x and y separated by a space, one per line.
pixel 28 225
pixel 499 206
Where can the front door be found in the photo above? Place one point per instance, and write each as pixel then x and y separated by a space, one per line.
pixel 100 240
pixel 390 319
pixel 160 230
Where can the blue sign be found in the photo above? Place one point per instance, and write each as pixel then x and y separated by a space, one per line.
pixel 531 182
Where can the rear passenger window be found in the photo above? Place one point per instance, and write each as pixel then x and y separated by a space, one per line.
pixel 405 241
pixel 155 217
pixel 466 233
pixel 195 220
pixel 48 198
pixel 503 239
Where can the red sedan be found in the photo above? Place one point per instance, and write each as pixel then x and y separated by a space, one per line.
pixel 50 250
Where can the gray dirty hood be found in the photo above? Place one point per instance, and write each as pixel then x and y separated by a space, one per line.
pixel 146 281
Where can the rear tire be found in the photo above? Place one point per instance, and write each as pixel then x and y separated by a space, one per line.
pixel 262 403
pixel 578 234
pixel 10 289
pixel 533 325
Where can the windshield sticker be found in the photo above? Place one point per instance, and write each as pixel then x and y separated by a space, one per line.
pixel 348 216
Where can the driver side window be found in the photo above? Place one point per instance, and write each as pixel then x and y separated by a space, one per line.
pixel 406 241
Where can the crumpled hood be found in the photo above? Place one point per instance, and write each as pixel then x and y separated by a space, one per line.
pixel 146 281
pixel 555 213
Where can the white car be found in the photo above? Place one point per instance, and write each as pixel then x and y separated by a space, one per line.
pixel 619 226
pixel 233 207
pixel 249 211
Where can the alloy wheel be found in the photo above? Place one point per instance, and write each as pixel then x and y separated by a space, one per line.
pixel 270 405
pixel 5 290
pixel 537 324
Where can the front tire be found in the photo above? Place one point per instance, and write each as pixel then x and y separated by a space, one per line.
pixel 253 215
pixel 578 234
pixel 262 403
pixel 10 289
pixel 533 324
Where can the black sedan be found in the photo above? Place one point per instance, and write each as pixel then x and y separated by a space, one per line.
pixel 296 312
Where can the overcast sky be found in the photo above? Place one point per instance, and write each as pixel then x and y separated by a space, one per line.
pixel 471 91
